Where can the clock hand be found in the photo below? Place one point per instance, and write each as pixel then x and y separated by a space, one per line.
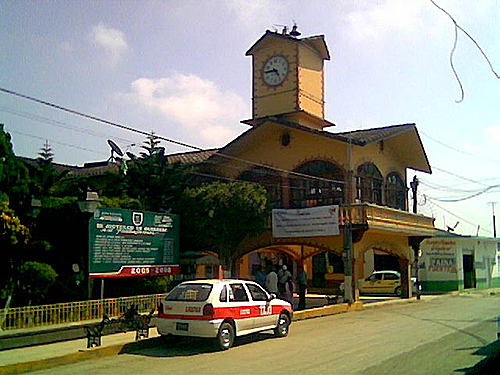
pixel 271 71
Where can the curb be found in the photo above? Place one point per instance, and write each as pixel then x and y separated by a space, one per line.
pixel 81 355
pixel 326 310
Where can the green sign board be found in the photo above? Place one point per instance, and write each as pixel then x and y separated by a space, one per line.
pixel 128 243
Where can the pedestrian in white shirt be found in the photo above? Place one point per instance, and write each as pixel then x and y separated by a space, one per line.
pixel 272 281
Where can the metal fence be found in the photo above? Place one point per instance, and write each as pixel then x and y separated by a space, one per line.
pixel 74 312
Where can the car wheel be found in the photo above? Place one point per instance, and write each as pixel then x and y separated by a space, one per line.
pixel 225 337
pixel 397 291
pixel 282 328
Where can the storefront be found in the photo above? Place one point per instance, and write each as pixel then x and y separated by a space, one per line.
pixel 454 262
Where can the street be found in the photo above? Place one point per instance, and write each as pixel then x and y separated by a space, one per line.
pixel 434 336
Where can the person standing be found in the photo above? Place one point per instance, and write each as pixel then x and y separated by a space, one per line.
pixel 283 276
pixel 302 285
pixel 260 276
pixel 272 281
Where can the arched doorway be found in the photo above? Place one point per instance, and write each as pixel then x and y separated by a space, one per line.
pixel 386 256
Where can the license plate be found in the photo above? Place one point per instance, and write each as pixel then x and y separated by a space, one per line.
pixel 181 326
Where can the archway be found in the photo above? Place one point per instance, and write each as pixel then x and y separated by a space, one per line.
pixel 386 256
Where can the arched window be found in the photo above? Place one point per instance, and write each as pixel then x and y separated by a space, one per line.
pixel 269 179
pixel 395 191
pixel 307 192
pixel 369 183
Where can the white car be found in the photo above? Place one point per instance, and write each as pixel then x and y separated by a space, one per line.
pixel 222 309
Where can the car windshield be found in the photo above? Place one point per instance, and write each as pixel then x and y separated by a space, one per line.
pixel 190 292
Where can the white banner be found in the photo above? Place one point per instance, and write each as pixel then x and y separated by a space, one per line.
pixel 306 222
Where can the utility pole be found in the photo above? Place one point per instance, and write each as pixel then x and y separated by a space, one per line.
pixel 349 282
pixel 494 221
pixel 416 247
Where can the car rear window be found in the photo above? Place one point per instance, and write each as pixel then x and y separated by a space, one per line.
pixel 190 292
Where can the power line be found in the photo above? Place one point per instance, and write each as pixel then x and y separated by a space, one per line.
pixel 59 124
pixel 458 27
pixel 458 150
pixel 430 201
pixel 55 142
pixel 183 144
pixel 455 215
pixel 467 197
pixel 457 175
pixel 447 188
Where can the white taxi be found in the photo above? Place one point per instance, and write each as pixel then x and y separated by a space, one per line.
pixel 222 309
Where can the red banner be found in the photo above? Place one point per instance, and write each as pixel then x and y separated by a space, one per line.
pixel 140 271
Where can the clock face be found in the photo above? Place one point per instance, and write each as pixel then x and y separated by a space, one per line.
pixel 275 70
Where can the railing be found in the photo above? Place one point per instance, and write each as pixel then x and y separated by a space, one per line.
pixel 381 217
pixel 74 312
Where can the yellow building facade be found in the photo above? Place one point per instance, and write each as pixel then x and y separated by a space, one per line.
pixel 289 152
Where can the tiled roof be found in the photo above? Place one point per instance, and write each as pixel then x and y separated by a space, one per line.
pixel 191 157
pixel 58 167
pixel 95 171
pixel 367 136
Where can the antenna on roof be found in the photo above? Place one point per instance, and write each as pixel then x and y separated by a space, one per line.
pixel 114 148
pixel 452 229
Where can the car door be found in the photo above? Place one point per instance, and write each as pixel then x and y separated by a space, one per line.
pixel 239 306
pixel 373 284
pixel 390 282
pixel 261 306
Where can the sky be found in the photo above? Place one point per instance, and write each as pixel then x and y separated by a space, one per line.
pixel 178 68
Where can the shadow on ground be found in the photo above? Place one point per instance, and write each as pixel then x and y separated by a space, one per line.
pixel 487 366
pixel 185 346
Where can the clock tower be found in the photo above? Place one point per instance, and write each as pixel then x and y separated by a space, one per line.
pixel 288 78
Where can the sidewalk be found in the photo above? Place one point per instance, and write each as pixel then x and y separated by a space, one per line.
pixel 19 360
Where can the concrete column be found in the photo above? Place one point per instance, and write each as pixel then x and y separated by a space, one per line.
pixel 406 291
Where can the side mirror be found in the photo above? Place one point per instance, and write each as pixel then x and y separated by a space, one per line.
pixel 271 296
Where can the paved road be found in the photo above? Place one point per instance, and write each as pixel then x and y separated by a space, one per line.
pixel 436 336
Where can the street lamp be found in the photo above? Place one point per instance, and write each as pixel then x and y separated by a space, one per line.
pixel 90 203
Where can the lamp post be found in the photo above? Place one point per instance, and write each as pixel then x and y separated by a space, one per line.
pixel 89 205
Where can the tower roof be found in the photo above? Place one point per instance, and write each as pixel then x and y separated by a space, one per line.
pixel 316 42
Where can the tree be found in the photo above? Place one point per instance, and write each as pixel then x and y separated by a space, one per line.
pixel 14 178
pixel 151 179
pixel 151 145
pixel 12 231
pixel 219 216
pixel 35 280
pixel 14 236
pixel 46 180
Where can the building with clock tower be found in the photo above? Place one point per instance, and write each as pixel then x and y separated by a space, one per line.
pixel 290 149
